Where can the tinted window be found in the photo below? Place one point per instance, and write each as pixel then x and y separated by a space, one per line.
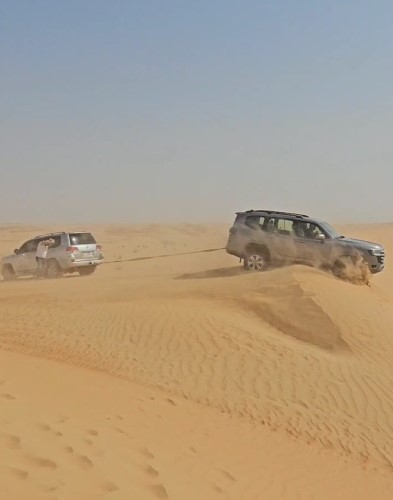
pixel 312 231
pixel 330 230
pixel 281 226
pixel 57 242
pixel 29 246
pixel 255 222
pixel 82 239
pixel 284 225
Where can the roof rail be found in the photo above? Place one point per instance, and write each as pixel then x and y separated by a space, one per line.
pixel 277 212
pixel 49 234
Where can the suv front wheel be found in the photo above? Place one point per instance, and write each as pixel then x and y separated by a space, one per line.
pixel 256 260
pixel 8 273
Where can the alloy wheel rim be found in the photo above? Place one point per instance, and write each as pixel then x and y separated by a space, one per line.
pixel 256 262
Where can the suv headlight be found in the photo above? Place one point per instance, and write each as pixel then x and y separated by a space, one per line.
pixel 376 252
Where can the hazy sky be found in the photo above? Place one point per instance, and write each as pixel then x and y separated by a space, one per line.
pixel 181 110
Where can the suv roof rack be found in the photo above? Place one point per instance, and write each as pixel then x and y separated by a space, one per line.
pixel 277 212
pixel 49 234
pixel 57 233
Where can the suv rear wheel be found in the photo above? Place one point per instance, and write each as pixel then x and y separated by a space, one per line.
pixel 53 269
pixel 8 273
pixel 85 271
pixel 256 259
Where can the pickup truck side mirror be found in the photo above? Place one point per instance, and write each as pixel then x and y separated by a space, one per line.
pixel 321 237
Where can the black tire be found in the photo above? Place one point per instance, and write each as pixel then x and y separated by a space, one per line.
pixel 8 273
pixel 86 271
pixel 53 270
pixel 256 259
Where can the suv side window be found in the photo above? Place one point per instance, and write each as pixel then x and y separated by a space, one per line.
pixel 280 226
pixel 312 231
pixel 255 222
pixel 29 246
pixel 57 242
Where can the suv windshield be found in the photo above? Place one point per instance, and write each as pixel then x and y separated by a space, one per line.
pixel 82 239
pixel 330 230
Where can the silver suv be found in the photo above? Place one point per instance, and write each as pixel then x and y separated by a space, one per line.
pixel 71 252
pixel 262 237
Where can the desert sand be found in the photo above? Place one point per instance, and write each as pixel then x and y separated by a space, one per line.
pixel 184 377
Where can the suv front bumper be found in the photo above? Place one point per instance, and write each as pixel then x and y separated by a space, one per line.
pixel 376 268
pixel 376 263
pixel 86 263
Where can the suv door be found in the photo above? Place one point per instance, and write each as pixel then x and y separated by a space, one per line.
pixel 309 245
pixel 25 262
pixel 281 244
pixel 251 231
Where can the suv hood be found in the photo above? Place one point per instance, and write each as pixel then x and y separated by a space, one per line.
pixel 361 244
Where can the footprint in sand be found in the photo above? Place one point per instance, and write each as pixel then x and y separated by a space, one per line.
pixel 42 462
pixel 10 397
pixel 92 432
pixel 147 453
pixel 217 489
pixel 63 419
pixel 121 431
pixel 151 471
pixel 9 441
pixel 47 428
pixel 109 486
pixel 159 491
pixel 84 461
pixel 18 473
pixel 44 427
pixel 228 475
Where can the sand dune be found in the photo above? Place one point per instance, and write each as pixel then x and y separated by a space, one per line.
pixel 185 377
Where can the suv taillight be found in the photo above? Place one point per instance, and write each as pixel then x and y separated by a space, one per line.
pixel 99 247
pixel 72 250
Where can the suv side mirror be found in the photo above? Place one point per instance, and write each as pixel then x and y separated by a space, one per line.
pixel 321 237
pixel 16 251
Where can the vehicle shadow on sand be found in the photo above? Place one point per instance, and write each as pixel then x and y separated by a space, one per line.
pixel 32 278
pixel 229 272
pixel 222 272
pixel 226 272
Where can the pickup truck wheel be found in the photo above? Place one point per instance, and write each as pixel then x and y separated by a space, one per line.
pixel 53 269
pixel 8 273
pixel 256 260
